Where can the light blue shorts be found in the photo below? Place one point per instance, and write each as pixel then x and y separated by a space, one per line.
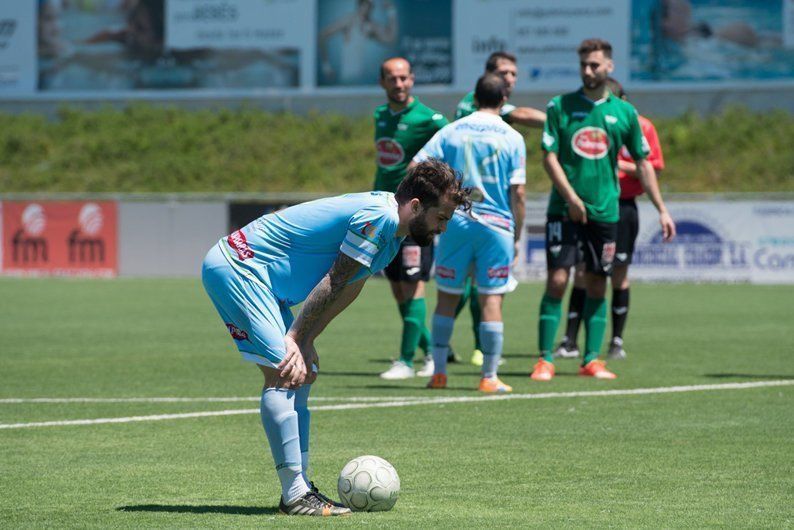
pixel 253 316
pixel 472 247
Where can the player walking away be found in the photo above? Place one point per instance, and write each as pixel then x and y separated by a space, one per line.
pixel 628 227
pixel 583 133
pixel 321 252
pixel 491 157
pixel 504 65
pixel 402 127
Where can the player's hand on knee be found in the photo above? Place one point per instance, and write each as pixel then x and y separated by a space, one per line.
pixel 312 361
pixel 293 367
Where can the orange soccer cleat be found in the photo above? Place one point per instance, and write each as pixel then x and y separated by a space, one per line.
pixel 438 381
pixel 542 371
pixel 492 385
pixel 597 369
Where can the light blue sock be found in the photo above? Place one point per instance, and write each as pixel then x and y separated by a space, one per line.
pixel 441 333
pixel 304 420
pixel 280 420
pixel 492 337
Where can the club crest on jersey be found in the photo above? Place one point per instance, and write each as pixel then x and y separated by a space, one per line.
pixel 239 243
pixel 591 143
pixel 390 153
pixel 236 333
pixel 368 230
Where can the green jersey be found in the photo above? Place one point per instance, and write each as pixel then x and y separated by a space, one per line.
pixel 467 105
pixel 587 136
pixel 398 137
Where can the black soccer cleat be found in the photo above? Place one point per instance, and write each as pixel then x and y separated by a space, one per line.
pixel 314 489
pixel 312 504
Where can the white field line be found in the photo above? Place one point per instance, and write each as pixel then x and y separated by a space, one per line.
pixel 7 401
pixel 425 401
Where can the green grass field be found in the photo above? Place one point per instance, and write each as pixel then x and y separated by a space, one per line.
pixel 699 458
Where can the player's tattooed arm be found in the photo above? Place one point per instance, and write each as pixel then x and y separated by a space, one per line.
pixel 322 304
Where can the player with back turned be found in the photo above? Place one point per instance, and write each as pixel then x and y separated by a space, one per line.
pixel 502 64
pixel 583 133
pixel 402 126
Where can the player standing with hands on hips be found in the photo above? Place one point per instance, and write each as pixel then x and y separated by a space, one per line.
pixel 583 133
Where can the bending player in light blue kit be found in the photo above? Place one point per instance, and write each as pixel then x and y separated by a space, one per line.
pixel 321 252
pixel 491 156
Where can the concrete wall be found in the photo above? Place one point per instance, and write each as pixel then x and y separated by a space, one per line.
pixel 168 238
pixel 658 101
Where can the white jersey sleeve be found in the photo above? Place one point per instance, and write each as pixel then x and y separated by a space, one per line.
pixel 367 233
pixel 518 155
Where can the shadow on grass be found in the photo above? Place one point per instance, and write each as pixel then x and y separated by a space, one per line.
pixel 190 508
pixel 749 376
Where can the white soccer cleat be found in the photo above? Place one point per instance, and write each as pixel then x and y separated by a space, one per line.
pixel 566 351
pixel 428 369
pixel 616 351
pixel 398 370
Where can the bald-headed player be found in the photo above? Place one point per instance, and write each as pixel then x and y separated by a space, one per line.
pixel 402 126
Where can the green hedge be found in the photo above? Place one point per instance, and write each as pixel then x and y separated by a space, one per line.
pixel 145 148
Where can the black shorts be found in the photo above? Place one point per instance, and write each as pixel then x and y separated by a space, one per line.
pixel 568 243
pixel 411 264
pixel 628 228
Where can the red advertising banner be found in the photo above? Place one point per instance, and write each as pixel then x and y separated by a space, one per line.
pixel 60 238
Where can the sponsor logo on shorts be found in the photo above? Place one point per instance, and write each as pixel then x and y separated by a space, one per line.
pixel 608 254
pixel 591 143
pixel 621 256
pixel 239 243
pixel 412 257
pixel 390 153
pixel 445 272
pixel 498 272
pixel 237 333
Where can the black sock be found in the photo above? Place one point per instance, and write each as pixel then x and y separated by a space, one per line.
pixel 620 311
pixel 575 309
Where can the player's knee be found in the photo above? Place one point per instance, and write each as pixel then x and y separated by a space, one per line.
pixel 556 282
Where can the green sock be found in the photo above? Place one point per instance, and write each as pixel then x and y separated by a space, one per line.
pixel 595 325
pixel 550 312
pixel 414 316
pixel 464 296
pixel 476 315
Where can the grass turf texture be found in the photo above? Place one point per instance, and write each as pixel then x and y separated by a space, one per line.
pixel 716 458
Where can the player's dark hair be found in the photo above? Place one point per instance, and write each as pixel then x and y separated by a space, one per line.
pixel 495 57
pixel 616 88
pixel 383 74
pixel 429 181
pixel 490 91
pixel 595 45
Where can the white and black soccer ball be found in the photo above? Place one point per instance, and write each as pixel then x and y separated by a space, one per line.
pixel 368 484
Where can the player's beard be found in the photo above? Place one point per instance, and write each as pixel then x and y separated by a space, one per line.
pixel 594 83
pixel 420 232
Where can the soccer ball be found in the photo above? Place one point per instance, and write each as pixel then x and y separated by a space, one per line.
pixel 368 484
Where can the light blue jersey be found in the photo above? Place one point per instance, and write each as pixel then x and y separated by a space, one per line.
pixel 291 250
pixel 491 156
pixel 255 274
